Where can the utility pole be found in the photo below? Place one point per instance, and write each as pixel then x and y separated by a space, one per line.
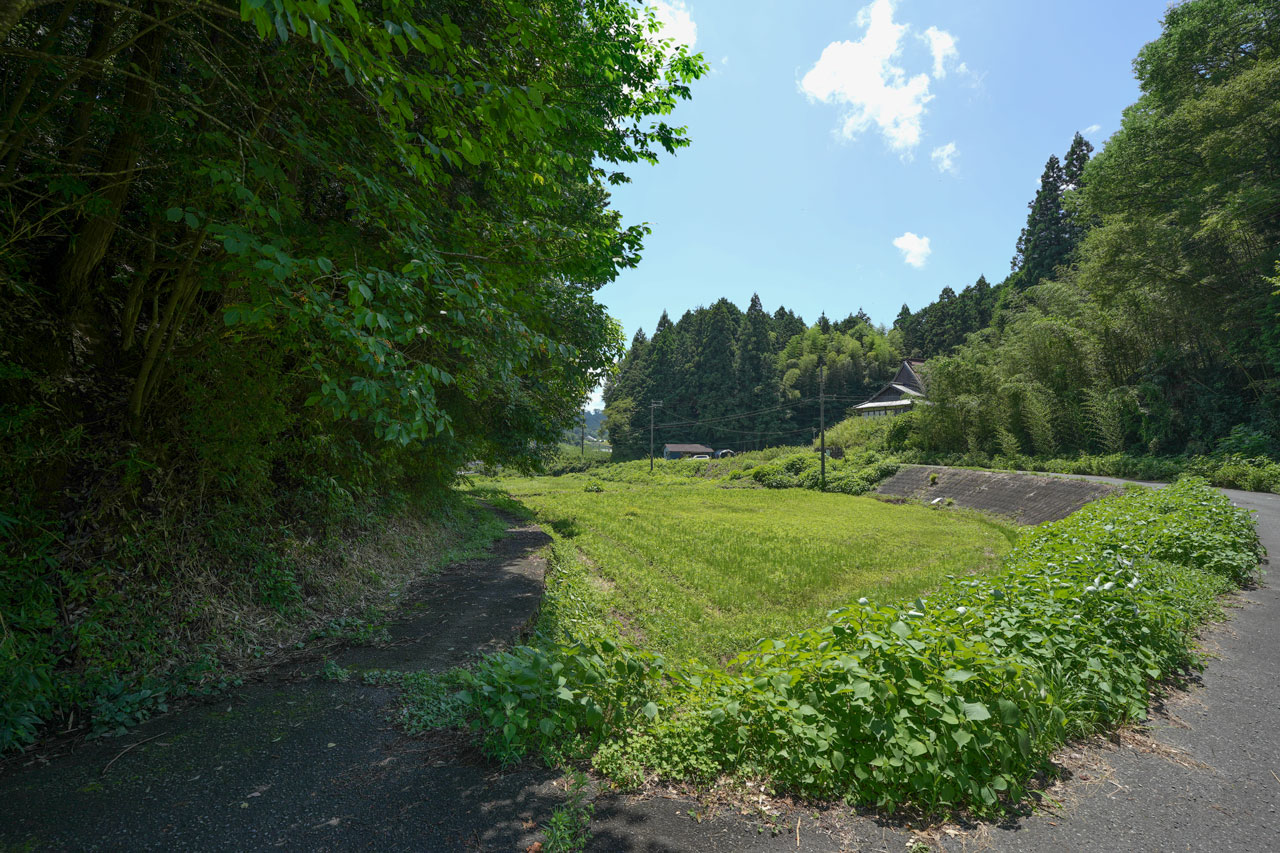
pixel 653 404
pixel 822 424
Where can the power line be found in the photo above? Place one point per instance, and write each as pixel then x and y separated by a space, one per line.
pixel 699 422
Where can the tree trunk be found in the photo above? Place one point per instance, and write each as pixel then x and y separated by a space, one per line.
pixel 89 246
pixel 11 11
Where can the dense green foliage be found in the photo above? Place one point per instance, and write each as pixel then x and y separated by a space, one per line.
pixel 942 704
pixel 1141 315
pixel 702 572
pixel 742 381
pixel 1158 331
pixel 261 263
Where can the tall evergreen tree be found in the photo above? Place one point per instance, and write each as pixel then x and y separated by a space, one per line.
pixel 1044 243
pixel 786 325
pixel 1077 158
pixel 713 380
pixel 756 374
pixel 1078 221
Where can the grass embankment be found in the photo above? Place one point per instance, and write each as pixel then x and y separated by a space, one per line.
pixel 702 573
pixel 1252 466
pixel 186 606
pixel 950 703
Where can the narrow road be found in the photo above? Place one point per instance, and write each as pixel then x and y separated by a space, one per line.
pixel 314 765
pixel 1211 779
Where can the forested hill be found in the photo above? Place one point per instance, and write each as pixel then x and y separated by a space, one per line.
pixel 1056 224
pixel 743 379
pixel 1140 312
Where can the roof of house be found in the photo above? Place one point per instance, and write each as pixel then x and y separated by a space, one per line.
pixel 884 404
pixel 901 391
pixel 687 448
pixel 907 376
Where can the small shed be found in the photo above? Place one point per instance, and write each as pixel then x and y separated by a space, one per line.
pixel 903 393
pixel 683 451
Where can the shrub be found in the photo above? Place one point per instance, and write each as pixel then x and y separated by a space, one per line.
pixel 945 704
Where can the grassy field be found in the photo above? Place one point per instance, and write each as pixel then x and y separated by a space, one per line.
pixel 703 573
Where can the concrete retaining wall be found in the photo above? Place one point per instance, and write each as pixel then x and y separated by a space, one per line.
pixel 1026 498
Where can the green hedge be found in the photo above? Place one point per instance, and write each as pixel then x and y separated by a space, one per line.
pixel 1232 471
pixel 946 704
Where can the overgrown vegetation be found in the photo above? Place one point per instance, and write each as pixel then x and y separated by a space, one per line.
pixel 947 703
pixel 1243 464
pixel 700 573
pixel 195 602
pixel 271 273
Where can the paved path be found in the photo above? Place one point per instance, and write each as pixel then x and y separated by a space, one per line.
pixel 311 765
pixel 1211 782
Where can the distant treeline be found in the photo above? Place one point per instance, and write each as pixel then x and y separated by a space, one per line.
pixel 743 380
pixel 1140 313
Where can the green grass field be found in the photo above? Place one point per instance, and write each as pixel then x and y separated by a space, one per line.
pixel 700 572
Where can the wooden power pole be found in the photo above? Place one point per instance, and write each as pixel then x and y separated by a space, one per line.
pixel 653 404
pixel 822 424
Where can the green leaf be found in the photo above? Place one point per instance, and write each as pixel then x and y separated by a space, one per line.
pixel 650 710
pixel 976 711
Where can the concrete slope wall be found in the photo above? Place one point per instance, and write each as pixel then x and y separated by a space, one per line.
pixel 1026 498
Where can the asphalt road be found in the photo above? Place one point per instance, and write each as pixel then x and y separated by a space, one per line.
pixel 1210 781
pixel 314 765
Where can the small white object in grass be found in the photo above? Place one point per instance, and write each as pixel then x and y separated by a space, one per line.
pixel 962 610
pixel 936 501
pixel 863 601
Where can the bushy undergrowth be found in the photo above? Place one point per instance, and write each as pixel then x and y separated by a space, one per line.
pixel 1232 471
pixel 173 607
pixel 942 705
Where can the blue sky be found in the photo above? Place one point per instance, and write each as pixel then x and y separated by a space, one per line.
pixel 827 131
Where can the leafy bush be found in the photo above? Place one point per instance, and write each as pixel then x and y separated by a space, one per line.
pixel 943 704
pixel 560 700
pixel 1233 471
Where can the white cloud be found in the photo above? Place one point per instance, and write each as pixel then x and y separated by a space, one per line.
pixel 862 76
pixel 944 157
pixel 1093 128
pixel 867 78
pixel 943 47
pixel 915 250
pixel 677 21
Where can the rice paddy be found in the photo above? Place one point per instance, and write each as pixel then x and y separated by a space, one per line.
pixel 702 573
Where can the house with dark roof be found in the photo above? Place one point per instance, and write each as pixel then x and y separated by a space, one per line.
pixel 903 393
pixel 682 451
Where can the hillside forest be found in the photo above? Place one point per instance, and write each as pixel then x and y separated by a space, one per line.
pixel 268 272
pixel 1140 313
